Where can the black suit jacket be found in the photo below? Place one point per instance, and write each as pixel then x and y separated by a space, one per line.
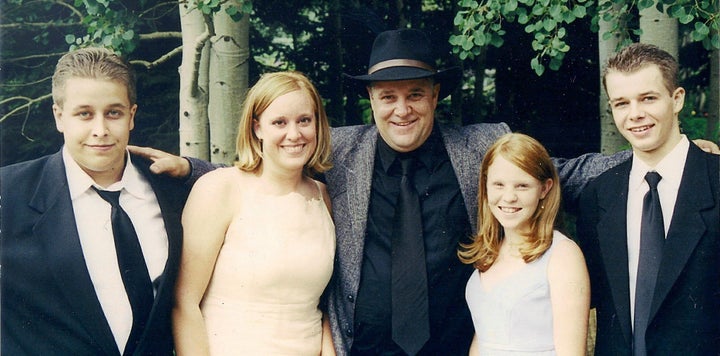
pixel 685 312
pixel 49 305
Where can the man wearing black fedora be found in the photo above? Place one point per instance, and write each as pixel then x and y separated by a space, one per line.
pixel 375 305
pixel 404 194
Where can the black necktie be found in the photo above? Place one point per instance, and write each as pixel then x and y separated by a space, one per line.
pixel 410 322
pixel 652 238
pixel 133 270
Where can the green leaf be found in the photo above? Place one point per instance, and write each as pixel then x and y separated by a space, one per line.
pixel 715 41
pixel 247 7
pixel 561 32
pixel 128 35
pixel 555 10
pixel 537 45
pixel 459 20
pixel 479 39
pixel 454 40
pixel 538 9
pixel 555 63
pixel 697 36
pixel 702 28
pixel 467 43
pixel 644 4
pixel 522 17
pixel 686 19
pixel 497 41
pixel 568 17
pixel 537 67
pixel 549 24
pixel 510 6
pixel 579 11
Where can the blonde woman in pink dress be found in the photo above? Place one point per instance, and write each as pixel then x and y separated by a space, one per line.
pixel 259 240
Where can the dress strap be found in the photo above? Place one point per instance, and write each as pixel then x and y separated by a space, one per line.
pixel 317 184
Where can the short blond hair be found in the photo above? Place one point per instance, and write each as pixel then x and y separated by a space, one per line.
pixel 261 95
pixel 92 63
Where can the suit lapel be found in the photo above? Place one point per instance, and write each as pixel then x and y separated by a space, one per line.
pixel 612 232
pixel 57 228
pixel 358 180
pixel 687 225
pixel 465 170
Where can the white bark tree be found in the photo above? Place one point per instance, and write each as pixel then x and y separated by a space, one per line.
pixel 611 140
pixel 229 53
pixel 659 29
pixel 213 80
pixel 194 134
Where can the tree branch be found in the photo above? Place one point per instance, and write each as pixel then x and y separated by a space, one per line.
pixel 34 56
pixel 160 35
pixel 199 45
pixel 42 25
pixel 28 103
pixel 164 58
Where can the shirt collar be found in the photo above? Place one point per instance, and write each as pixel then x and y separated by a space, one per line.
pixel 426 154
pixel 79 181
pixel 670 167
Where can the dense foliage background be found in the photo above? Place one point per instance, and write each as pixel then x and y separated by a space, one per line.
pixel 559 107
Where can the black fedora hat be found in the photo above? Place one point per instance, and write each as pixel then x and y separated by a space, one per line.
pixel 407 54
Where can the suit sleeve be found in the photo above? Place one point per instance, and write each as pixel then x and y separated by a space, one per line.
pixel 199 167
pixel 576 173
pixel 587 238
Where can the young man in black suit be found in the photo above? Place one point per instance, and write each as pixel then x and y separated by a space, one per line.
pixel 70 285
pixel 653 295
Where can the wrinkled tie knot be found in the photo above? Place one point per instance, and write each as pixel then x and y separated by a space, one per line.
pixel 653 178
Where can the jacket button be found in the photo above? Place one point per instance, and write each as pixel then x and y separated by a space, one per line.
pixel 349 331
pixel 351 298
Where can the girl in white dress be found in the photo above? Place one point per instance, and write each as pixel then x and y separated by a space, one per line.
pixel 531 292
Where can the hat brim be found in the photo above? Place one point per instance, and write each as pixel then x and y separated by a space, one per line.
pixel 448 79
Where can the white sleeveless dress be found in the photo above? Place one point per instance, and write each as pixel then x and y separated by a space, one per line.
pixel 272 269
pixel 514 317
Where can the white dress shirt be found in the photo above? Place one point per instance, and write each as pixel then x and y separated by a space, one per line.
pixel 670 168
pixel 92 216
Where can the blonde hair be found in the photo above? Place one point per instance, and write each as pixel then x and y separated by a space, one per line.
pixel 93 63
pixel 261 95
pixel 529 155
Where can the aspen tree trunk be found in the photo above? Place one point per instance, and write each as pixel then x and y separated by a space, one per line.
pixel 228 78
pixel 193 83
pixel 659 29
pixel 611 140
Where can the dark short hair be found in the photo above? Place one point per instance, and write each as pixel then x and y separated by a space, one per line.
pixel 96 63
pixel 640 55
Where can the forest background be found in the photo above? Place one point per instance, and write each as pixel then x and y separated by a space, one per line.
pixel 534 64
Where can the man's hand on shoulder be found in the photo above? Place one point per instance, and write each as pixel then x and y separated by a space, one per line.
pixel 163 162
pixel 707 146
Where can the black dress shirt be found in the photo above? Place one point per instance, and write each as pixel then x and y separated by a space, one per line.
pixel 445 224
